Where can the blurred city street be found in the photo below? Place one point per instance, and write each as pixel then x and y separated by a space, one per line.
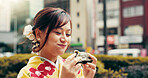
pixel 115 24
pixel 99 27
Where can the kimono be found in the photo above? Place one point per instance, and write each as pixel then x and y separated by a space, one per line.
pixel 40 67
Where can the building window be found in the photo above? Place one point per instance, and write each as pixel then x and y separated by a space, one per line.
pixel 78 25
pixel 100 16
pixel 110 0
pixel 133 11
pixel 78 14
pixel 101 32
pixel 126 0
pixel 78 39
pixel 111 14
pixel 100 1
pixel 112 31
pixel 77 1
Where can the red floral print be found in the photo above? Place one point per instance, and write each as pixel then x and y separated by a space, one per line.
pixel 79 72
pixel 35 73
pixel 42 70
pixel 46 68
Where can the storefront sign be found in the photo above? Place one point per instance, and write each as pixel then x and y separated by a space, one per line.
pixel 130 39
pixel 110 39
pixel 133 30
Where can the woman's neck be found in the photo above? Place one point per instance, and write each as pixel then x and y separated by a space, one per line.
pixel 48 56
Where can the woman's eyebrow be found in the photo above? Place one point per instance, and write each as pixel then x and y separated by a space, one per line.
pixel 66 30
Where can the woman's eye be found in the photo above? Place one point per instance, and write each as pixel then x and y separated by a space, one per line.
pixel 68 34
pixel 58 33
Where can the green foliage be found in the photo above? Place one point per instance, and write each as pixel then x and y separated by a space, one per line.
pixel 11 75
pixel 108 66
pixel 12 65
pixel 137 71
pixel 116 62
pixel 65 55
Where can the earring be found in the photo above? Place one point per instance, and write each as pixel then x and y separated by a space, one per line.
pixel 36 44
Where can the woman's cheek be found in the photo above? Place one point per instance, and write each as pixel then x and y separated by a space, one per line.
pixel 69 40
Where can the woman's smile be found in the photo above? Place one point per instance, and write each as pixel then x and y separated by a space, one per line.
pixel 62 45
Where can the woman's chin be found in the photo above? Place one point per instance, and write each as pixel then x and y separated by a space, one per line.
pixel 62 51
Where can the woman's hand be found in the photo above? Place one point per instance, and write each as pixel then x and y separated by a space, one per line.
pixel 89 69
pixel 70 68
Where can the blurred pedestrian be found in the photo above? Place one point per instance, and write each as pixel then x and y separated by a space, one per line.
pixel 51 36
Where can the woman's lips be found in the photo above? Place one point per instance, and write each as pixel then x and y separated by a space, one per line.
pixel 62 45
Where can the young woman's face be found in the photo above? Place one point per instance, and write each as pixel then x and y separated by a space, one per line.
pixel 58 40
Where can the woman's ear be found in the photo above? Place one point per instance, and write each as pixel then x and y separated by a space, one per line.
pixel 38 34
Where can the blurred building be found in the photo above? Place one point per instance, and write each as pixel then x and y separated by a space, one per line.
pixel 14 15
pixel 78 13
pixel 23 11
pixel 83 13
pixel 134 17
pixel 6 37
pixel 113 24
pixel 4 16
pixel 64 4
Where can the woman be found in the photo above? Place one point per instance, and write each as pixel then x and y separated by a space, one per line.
pixel 51 36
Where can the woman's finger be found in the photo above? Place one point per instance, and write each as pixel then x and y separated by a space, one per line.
pixel 93 58
pixel 77 68
pixel 88 67
pixel 91 65
pixel 70 58
pixel 75 60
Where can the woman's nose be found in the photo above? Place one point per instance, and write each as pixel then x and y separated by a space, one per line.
pixel 63 38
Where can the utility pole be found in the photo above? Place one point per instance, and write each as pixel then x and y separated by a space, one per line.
pixel 15 34
pixel 105 27
pixel 94 24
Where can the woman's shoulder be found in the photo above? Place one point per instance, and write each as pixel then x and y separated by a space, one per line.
pixel 31 66
pixel 33 62
pixel 23 73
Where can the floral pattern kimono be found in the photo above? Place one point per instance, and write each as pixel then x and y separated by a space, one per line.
pixel 40 67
